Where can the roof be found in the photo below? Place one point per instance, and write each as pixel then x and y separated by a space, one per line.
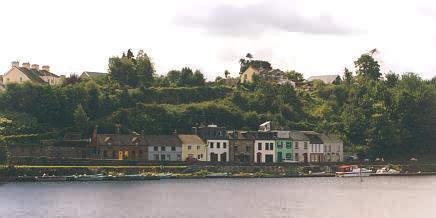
pixel 92 74
pixel 298 136
pixel 313 137
pixel 330 138
pixel 191 139
pixel 241 135
pixel 120 139
pixel 162 140
pixel 281 134
pixel 264 136
pixel 329 79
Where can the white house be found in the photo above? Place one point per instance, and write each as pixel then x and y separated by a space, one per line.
pixel 32 73
pixel 316 146
pixel 218 150
pixel 264 148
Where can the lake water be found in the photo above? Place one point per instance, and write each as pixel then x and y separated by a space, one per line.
pixel 378 197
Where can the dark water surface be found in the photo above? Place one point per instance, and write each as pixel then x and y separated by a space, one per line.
pixel 378 197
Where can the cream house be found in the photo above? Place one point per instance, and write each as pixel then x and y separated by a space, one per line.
pixel 193 147
pixel 31 73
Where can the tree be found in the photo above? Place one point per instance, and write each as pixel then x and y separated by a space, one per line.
pixel 72 79
pixel 391 79
pixel 348 76
pixel 367 67
pixel 226 74
pixel 80 119
pixel 198 78
pixel 144 69
pixel 249 56
pixel 295 76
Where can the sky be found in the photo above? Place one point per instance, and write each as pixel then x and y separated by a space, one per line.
pixel 312 37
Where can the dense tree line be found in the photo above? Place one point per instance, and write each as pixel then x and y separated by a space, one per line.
pixel 392 116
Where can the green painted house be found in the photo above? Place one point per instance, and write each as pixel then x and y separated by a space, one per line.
pixel 283 146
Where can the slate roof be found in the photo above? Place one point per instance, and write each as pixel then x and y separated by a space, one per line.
pixel 298 136
pixel 191 139
pixel 242 135
pixel 330 138
pixel 328 79
pixel 92 75
pixel 162 140
pixel 120 139
pixel 35 75
pixel 313 137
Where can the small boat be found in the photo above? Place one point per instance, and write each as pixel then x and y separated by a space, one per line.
pixel 218 175
pixel 352 171
pixel 165 176
pixel 84 177
pixel 387 171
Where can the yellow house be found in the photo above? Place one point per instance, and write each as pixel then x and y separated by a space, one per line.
pixel 32 73
pixel 193 147
pixel 247 75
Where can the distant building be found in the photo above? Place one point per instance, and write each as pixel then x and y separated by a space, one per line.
pixel 241 147
pixel 164 147
pixel 300 146
pixel 193 147
pixel 283 146
pixel 316 146
pixel 120 146
pixel 32 73
pixel 274 75
pixel 264 148
pixel 327 79
pixel 92 75
pixel 217 141
pixel 333 148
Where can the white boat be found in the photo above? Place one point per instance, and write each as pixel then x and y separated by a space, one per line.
pixel 352 171
pixel 387 170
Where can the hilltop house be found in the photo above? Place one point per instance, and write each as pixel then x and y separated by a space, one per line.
pixel 164 147
pixel 120 146
pixel 327 79
pixel 241 147
pixel 92 75
pixel 300 146
pixel 193 147
pixel 32 73
pixel 274 75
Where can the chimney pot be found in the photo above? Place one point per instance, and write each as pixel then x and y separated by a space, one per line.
pixel 46 68
pixel 26 65
pixel 35 67
pixel 15 64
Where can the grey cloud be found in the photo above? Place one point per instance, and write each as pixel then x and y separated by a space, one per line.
pixel 253 20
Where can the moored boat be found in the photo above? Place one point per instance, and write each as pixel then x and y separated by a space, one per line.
pixel 352 171
pixel 387 171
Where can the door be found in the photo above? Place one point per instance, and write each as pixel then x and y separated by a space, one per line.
pixel 269 158
pixel 279 156
pixel 120 155
pixel 259 157
pixel 305 157
pixel 223 157
pixel 213 157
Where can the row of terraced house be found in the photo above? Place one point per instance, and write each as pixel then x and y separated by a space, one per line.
pixel 217 144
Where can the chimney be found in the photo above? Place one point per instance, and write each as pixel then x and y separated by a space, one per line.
pixel 15 64
pixel 35 67
pixel 46 68
pixel 26 65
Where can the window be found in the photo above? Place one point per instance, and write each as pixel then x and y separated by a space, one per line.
pixel 279 145
pixel 173 148
pixel 198 156
pixel 266 146
pixel 189 147
pixel 162 148
pixel 330 148
pixel 104 153
pixel 305 145
pixel 271 146
pixel 296 145
pixel 179 157
pixel 162 157
pixel 168 157
pixel 235 148
pixel 155 148
pixel 211 145
pixel 288 156
pixel 198 147
pixel 218 145
pixel 288 145
pixel 224 144
pixel 201 155
pixel 259 146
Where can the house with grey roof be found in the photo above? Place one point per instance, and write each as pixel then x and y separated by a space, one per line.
pixel 164 147
pixel 92 75
pixel 120 146
pixel 31 73
pixel 193 147
pixel 300 146
pixel 316 146
pixel 333 147
pixel 327 79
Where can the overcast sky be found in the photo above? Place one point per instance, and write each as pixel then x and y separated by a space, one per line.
pixel 312 37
